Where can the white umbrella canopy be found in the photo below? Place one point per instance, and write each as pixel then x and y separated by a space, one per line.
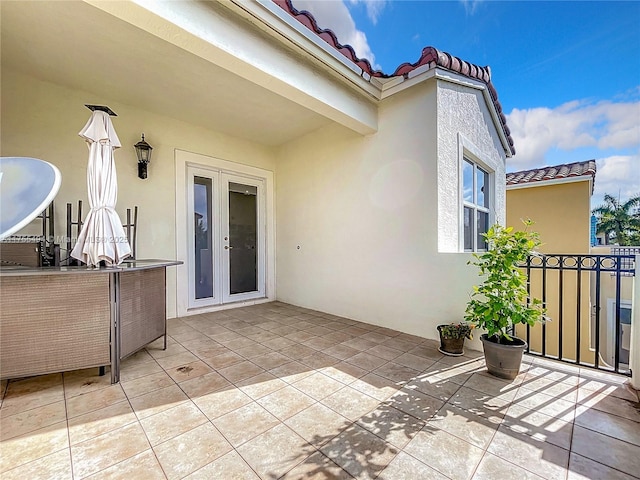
pixel 102 236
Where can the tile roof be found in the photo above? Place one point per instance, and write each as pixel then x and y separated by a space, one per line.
pixel 577 169
pixel 430 56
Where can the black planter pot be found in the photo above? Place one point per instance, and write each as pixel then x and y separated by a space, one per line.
pixel 451 346
pixel 503 360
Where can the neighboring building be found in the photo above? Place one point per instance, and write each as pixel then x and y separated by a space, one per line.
pixel 608 306
pixel 338 187
pixel 558 200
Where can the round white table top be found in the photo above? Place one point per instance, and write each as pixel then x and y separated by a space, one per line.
pixel 27 186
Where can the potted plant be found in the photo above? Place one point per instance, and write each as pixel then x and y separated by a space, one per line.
pixel 452 338
pixel 501 301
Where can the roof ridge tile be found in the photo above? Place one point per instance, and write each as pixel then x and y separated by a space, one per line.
pixel 428 55
pixel 554 172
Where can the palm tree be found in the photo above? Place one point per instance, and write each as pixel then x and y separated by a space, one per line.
pixel 620 222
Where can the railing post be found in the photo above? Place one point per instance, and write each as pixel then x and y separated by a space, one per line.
pixel 528 301
pixel 560 306
pixel 544 304
pixel 578 307
pixel 634 352
pixel 617 335
pixel 597 307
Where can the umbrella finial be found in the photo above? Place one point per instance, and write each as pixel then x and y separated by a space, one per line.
pixel 101 108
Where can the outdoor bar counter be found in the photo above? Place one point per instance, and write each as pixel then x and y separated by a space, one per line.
pixel 55 319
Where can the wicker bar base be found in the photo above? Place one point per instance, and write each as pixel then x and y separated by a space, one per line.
pixel 74 319
pixel 53 323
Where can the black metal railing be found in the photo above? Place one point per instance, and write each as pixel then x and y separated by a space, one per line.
pixel 626 263
pixel 588 302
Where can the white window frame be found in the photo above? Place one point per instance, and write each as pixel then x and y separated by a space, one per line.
pixel 469 157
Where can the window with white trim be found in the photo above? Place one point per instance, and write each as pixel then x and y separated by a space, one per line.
pixel 476 194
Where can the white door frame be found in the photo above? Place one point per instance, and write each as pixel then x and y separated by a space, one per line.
pixel 227 296
pixel 184 228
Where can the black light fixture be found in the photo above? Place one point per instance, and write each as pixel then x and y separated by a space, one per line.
pixel 143 152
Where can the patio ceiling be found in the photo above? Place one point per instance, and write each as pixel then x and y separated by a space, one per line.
pixel 81 47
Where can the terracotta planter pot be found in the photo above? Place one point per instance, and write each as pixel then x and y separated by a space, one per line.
pixel 451 346
pixel 502 360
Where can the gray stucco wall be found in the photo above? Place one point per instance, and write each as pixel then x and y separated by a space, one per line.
pixel 465 126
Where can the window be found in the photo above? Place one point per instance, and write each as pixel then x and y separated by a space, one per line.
pixel 476 201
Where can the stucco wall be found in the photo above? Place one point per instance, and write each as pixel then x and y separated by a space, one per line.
pixel 42 120
pixel 363 212
pixel 561 213
pixel 361 209
pixel 562 217
pixel 607 296
pixel 464 127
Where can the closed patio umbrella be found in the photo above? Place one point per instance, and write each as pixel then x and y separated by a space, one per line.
pixel 102 236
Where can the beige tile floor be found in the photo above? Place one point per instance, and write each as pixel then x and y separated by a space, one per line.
pixel 275 391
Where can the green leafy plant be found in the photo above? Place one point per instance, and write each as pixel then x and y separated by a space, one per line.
pixel 501 300
pixel 620 221
pixel 456 330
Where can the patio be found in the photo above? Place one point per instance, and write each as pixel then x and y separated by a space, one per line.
pixel 276 391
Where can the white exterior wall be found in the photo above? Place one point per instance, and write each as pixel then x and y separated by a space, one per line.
pixel 363 212
pixel 42 120
pixel 366 211
pixel 465 126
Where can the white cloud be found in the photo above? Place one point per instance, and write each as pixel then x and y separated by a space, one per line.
pixel 470 6
pixel 374 8
pixel 577 124
pixel 623 124
pixel 618 175
pixel 335 16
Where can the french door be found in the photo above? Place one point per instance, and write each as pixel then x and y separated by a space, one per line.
pixel 226 237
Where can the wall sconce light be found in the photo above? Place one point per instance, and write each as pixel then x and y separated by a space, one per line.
pixel 143 152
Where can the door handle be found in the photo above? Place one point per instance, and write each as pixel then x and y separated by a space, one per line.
pixel 227 247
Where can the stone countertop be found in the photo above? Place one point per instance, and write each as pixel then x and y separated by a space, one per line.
pixel 126 266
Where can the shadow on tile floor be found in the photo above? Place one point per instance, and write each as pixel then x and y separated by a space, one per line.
pixel 276 391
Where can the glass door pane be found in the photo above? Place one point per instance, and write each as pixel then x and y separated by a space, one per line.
pixel 467 181
pixel 468 229
pixel 226 237
pixel 202 237
pixel 482 187
pixel 243 238
pixel 483 227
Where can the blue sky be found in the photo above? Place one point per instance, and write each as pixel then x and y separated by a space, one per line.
pixel 567 73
